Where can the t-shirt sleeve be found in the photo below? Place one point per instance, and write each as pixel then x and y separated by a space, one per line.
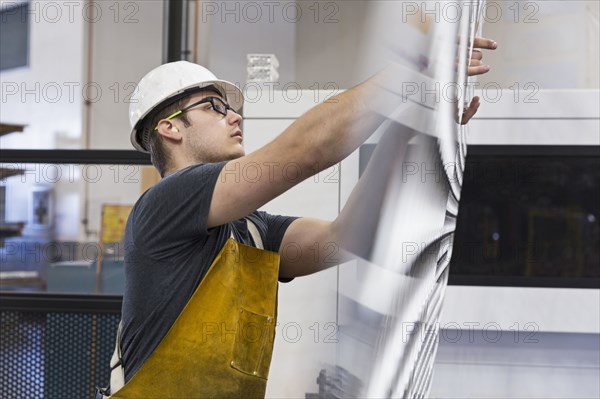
pixel 272 228
pixel 175 210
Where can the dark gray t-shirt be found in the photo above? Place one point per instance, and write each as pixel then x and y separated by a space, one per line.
pixel 169 250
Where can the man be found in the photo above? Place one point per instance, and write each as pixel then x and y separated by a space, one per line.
pixel 201 263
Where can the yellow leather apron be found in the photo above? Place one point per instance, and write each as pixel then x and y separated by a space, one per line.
pixel 221 344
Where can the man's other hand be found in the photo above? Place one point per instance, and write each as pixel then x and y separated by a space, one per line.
pixel 476 66
pixel 470 111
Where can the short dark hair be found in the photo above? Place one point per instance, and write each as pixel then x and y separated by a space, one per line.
pixel 161 159
pixel 155 142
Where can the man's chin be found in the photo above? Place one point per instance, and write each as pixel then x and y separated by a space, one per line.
pixel 215 158
pixel 236 155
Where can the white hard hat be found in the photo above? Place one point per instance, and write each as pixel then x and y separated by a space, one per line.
pixel 166 84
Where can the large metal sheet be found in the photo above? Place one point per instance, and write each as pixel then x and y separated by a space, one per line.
pixel 389 304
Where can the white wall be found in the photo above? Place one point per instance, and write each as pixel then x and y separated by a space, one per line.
pixel 536 117
pixel 228 31
pixel 329 43
pixel 551 43
pixel 509 364
pixel 124 46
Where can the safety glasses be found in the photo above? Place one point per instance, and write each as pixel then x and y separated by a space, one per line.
pixel 217 104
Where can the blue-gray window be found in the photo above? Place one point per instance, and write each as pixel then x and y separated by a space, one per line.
pixel 14 35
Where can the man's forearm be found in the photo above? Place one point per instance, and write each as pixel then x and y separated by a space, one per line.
pixel 331 131
pixel 355 228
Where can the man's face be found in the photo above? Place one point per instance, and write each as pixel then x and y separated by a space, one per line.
pixel 212 137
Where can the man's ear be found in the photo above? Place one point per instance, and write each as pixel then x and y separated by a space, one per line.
pixel 168 130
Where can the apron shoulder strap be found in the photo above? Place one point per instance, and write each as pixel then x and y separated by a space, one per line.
pixel 255 234
pixel 117 373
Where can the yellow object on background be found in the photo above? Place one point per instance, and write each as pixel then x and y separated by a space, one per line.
pixel 114 219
